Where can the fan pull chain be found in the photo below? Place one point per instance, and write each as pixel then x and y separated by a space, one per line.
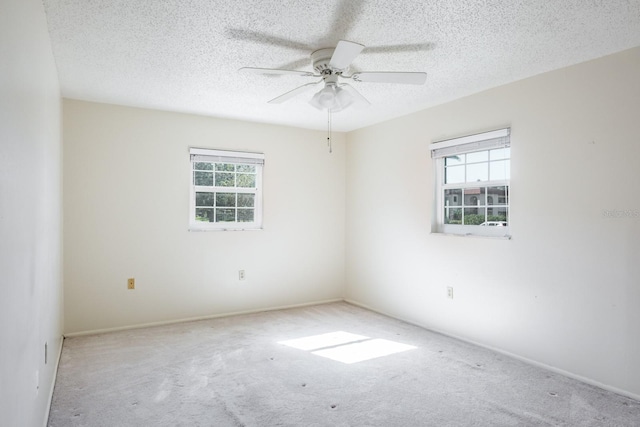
pixel 329 130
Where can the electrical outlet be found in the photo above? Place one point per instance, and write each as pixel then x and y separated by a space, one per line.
pixel 240 274
pixel 449 292
pixel 131 283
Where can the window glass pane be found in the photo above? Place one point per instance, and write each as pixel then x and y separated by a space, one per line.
pixel 204 214
pixel 226 199
pixel 473 216
pixel 246 200
pixel 203 178
pixel 474 196
pixel 498 195
pixel 497 216
pixel 225 215
pixel 225 167
pixel 224 179
pixel 204 199
pixel 453 197
pixel 478 172
pixel 453 216
pixel 245 215
pixel 246 168
pixel 246 180
pixel 202 166
pixel 500 170
pixel 454 160
pixel 454 174
pixel 500 153
pixel 478 156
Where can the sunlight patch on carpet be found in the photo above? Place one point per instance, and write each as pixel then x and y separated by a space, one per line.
pixel 346 347
pixel 331 339
pixel 365 350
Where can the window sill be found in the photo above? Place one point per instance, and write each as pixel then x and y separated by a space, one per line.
pixel 197 230
pixel 479 236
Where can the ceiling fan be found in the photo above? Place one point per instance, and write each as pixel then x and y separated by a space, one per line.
pixel 331 65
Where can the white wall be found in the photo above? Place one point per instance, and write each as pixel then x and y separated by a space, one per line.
pixel 126 201
pixel 565 291
pixel 30 214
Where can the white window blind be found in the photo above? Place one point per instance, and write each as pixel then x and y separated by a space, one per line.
pixel 467 144
pixel 217 156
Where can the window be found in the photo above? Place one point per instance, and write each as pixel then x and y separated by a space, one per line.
pixel 472 184
pixel 226 190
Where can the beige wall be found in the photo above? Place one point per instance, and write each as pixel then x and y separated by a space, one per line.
pixel 30 215
pixel 565 290
pixel 126 204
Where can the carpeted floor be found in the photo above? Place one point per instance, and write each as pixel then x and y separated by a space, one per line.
pixel 247 371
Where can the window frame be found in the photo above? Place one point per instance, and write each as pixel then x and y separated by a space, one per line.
pixel 485 141
pixel 206 155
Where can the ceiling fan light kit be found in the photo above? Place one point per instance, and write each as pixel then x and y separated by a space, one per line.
pixel 332 97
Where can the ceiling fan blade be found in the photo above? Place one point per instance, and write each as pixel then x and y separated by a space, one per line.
pixel 358 99
pixel 274 71
pixel 268 39
pixel 298 63
pixel 393 48
pixel 344 54
pixel 391 77
pixel 286 96
pixel 345 17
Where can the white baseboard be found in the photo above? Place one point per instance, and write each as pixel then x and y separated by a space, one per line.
pixel 191 319
pixel 53 383
pixel 507 353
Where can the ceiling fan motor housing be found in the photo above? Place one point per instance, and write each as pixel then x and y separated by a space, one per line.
pixel 321 59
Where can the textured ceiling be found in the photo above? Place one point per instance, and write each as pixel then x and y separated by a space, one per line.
pixel 183 55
